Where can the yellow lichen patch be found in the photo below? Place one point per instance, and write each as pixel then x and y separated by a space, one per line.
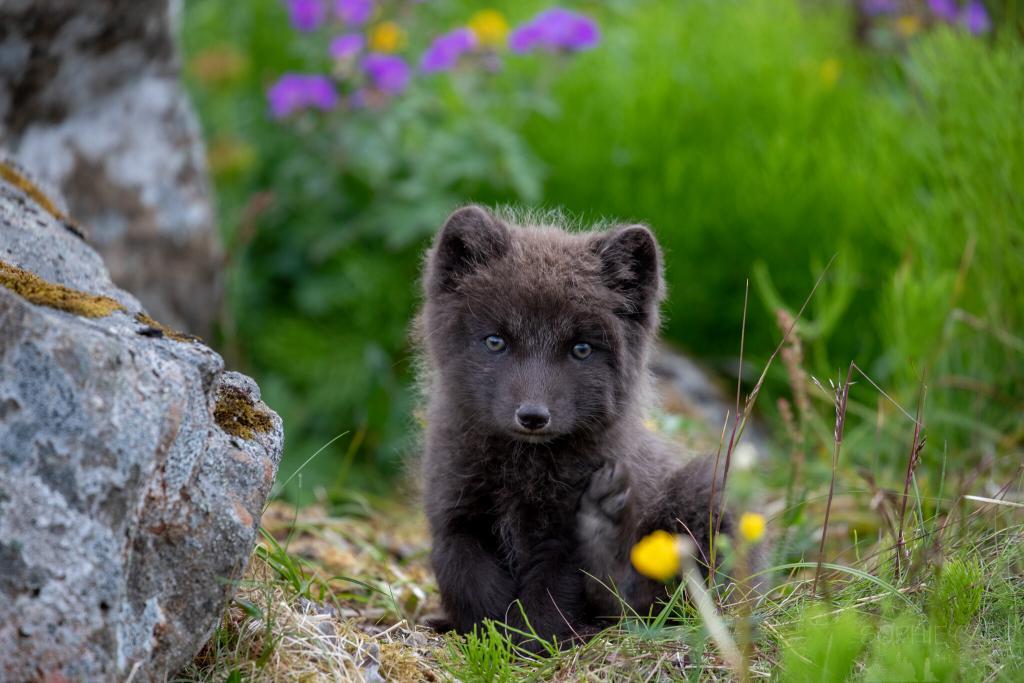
pixel 40 292
pixel 162 330
pixel 238 415
pixel 14 177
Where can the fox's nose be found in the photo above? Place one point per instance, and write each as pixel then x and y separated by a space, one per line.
pixel 533 417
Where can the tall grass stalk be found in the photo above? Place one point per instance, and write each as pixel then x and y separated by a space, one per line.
pixel 841 394
pixel 916 446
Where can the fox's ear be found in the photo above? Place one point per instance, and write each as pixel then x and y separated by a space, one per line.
pixel 471 237
pixel 631 265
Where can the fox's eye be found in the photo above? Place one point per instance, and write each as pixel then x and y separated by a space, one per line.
pixel 582 350
pixel 495 344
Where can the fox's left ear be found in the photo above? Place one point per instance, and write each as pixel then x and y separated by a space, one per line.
pixel 631 264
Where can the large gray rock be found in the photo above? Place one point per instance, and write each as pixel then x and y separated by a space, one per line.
pixel 90 101
pixel 133 468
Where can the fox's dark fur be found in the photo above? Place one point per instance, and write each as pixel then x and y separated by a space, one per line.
pixel 519 516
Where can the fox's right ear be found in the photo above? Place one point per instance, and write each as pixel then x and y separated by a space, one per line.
pixel 471 237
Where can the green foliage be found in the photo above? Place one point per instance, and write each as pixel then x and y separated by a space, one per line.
pixel 823 648
pixel 326 216
pixel 742 131
pixel 906 650
pixel 956 596
pixel 954 308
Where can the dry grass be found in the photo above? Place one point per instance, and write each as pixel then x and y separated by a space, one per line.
pixel 344 599
pixel 332 628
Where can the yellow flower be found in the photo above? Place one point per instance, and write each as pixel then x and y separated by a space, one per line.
pixel 752 526
pixel 908 25
pixel 490 27
pixel 386 36
pixel 830 71
pixel 651 424
pixel 656 556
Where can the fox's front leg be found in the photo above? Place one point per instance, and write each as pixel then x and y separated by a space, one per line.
pixel 608 525
pixel 472 583
pixel 550 592
pixel 605 524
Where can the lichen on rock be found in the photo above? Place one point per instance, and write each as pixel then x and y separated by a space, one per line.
pixel 238 415
pixel 41 292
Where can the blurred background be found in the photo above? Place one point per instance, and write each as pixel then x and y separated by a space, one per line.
pixel 761 139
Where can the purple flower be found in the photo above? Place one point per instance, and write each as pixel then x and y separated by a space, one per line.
pixel 388 73
pixel 354 12
pixel 346 46
pixel 975 18
pixel 306 15
pixel 443 54
pixel 293 92
pixel 526 37
pixel 556 29
pixel 946 10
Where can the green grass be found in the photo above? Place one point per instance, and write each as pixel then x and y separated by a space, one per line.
pixel 713 122
pixel 720 123
pixel 487 654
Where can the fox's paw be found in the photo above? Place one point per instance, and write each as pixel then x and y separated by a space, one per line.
pixel 607 495
pixel 603 524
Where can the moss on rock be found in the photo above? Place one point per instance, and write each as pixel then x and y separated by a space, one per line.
pixel 157 329
pixel 14 177
pixel 238 415
pixel 40 292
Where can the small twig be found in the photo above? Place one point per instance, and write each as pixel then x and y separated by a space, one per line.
pixel 994 501
pixel 135 670
pixel 389 629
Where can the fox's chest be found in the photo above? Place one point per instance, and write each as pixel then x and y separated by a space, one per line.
pixel 532 522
